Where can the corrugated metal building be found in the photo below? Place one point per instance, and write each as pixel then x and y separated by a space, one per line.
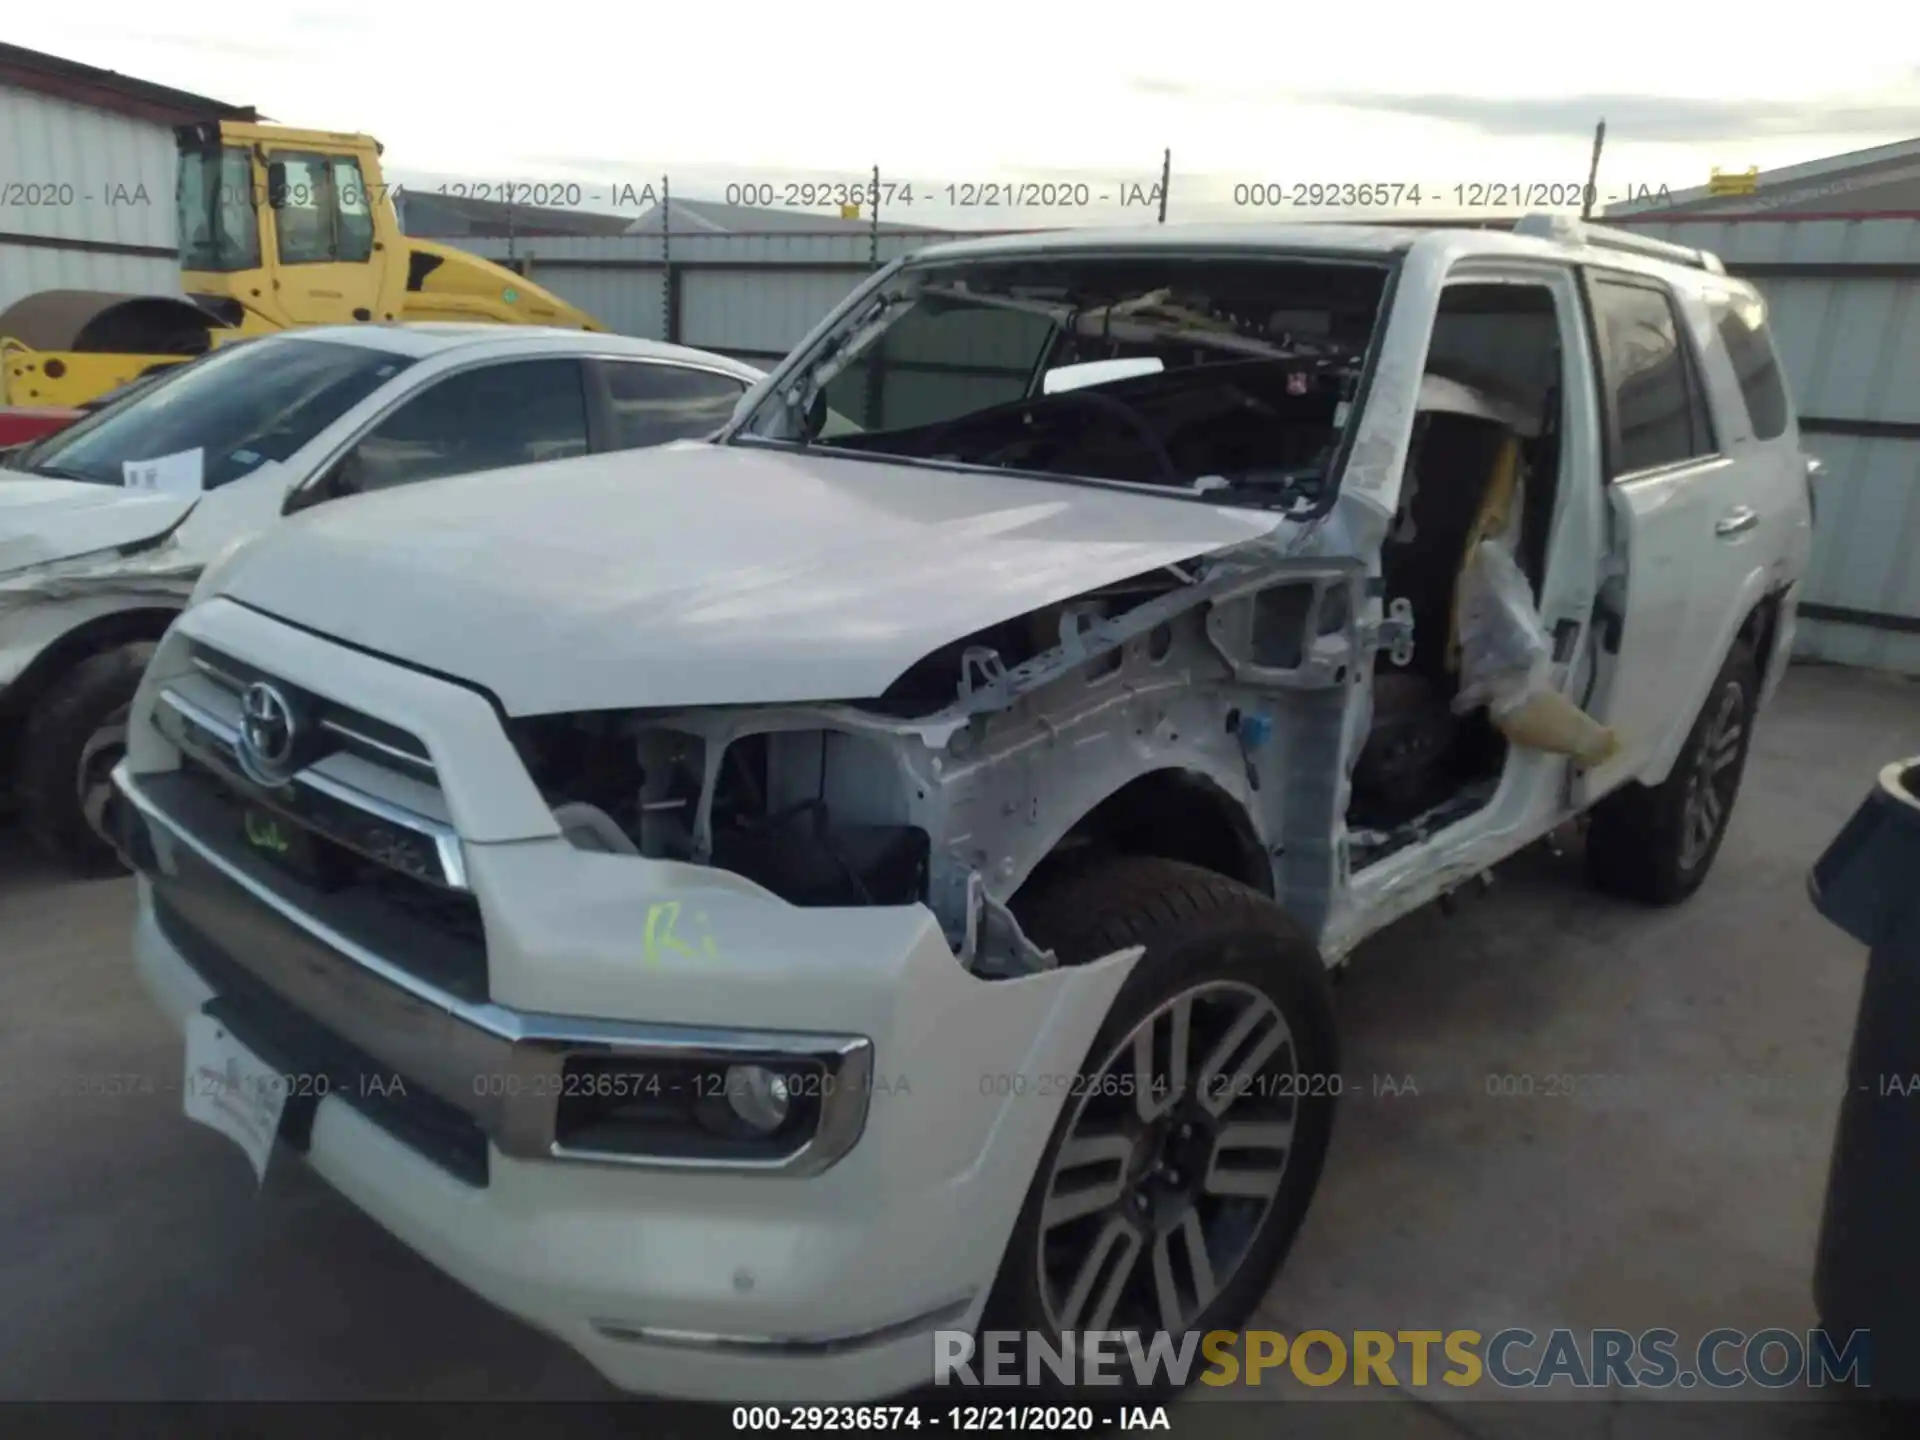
pixel 1885 179
pixel 711 217
pixel 87 161
pixel 435 214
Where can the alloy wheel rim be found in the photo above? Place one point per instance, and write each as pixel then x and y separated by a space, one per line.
pixel 1715 773
pixel 1175 1154
pixel 93 775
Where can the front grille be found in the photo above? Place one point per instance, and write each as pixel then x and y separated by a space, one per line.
pixel 347 729
pixel 295 1044
pixel 426 929
pixel 359 844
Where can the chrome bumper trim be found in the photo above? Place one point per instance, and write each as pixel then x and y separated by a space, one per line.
pixel 796 1347
pixel 502 1067
pixel 215 743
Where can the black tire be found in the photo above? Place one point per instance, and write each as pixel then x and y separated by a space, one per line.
pixel 67 747
pixel 1200 931
pixel 1646 843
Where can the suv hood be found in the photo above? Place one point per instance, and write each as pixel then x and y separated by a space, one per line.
pixel 699 574
pixel 46 520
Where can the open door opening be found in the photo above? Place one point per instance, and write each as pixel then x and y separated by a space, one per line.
pixel 1485 465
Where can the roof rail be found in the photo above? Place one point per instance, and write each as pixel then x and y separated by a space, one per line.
pixel 1570 231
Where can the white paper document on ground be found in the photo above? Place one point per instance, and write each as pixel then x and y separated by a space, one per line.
pixel 182 473
pixel 232 1090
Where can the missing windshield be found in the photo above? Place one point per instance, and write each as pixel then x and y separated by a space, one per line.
pixel 1227 377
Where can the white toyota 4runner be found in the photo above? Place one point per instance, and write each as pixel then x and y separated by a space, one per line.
pixel 746 906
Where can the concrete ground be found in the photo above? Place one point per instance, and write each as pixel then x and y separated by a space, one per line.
pixel 1677 1185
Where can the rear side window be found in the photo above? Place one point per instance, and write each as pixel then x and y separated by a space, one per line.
pixel 654 403
pixel 1653 393
pixel 1742 323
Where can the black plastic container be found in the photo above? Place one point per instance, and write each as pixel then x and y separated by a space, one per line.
pixel 1867 1276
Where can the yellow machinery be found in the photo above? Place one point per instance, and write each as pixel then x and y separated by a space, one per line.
pixel 278 228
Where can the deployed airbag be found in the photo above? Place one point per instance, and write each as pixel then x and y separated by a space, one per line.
pixel 1506 663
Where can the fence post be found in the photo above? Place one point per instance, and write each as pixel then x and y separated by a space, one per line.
pixel 1593 169
pixel 1166 180
pixel 876 395
pixel 669 318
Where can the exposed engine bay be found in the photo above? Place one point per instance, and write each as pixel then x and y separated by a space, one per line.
pixel 1143 714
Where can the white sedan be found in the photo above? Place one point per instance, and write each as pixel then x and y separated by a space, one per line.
pixel 105 525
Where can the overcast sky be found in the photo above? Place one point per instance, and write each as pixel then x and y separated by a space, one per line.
pixel 608 97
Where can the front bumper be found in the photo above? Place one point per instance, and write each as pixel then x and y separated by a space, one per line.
pixel 679 1291
pixel 821 1283
pixel 494 1072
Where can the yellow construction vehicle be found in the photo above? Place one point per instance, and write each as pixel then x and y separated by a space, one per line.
pixel 278 227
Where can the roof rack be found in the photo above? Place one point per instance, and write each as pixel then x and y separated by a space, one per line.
pixel 1570 231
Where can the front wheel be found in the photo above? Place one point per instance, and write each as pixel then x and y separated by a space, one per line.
pixel 73 738
pixel 1183 1163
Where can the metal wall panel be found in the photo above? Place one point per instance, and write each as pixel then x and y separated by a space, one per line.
pixel 751 296
pixel 78 174
pixel 1843 298
pixel 630 301
pixel 758 316
pixel 28 269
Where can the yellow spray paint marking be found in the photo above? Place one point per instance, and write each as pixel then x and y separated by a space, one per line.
pixel 265 834
pixel 663 920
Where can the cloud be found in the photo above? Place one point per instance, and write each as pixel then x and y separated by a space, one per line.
pixel 1646 118
pixel 236 49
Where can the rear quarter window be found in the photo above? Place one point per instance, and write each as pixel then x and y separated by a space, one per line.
pixel 1741 322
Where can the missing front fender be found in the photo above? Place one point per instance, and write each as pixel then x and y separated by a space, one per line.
pixel 995 947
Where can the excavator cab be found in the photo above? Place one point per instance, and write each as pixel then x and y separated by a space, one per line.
pixel 278 228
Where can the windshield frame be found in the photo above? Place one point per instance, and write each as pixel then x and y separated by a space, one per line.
pixel 799 360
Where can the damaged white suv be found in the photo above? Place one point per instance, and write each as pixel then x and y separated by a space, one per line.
pixel 746 907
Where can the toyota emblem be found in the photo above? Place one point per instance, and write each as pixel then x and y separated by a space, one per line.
pixel 268 734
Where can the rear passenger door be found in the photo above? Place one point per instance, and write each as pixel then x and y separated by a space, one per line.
pixel 650 402
pixel 1669 485
pixel 1764 434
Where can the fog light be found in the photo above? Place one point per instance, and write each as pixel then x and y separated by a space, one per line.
pixel 758 1096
